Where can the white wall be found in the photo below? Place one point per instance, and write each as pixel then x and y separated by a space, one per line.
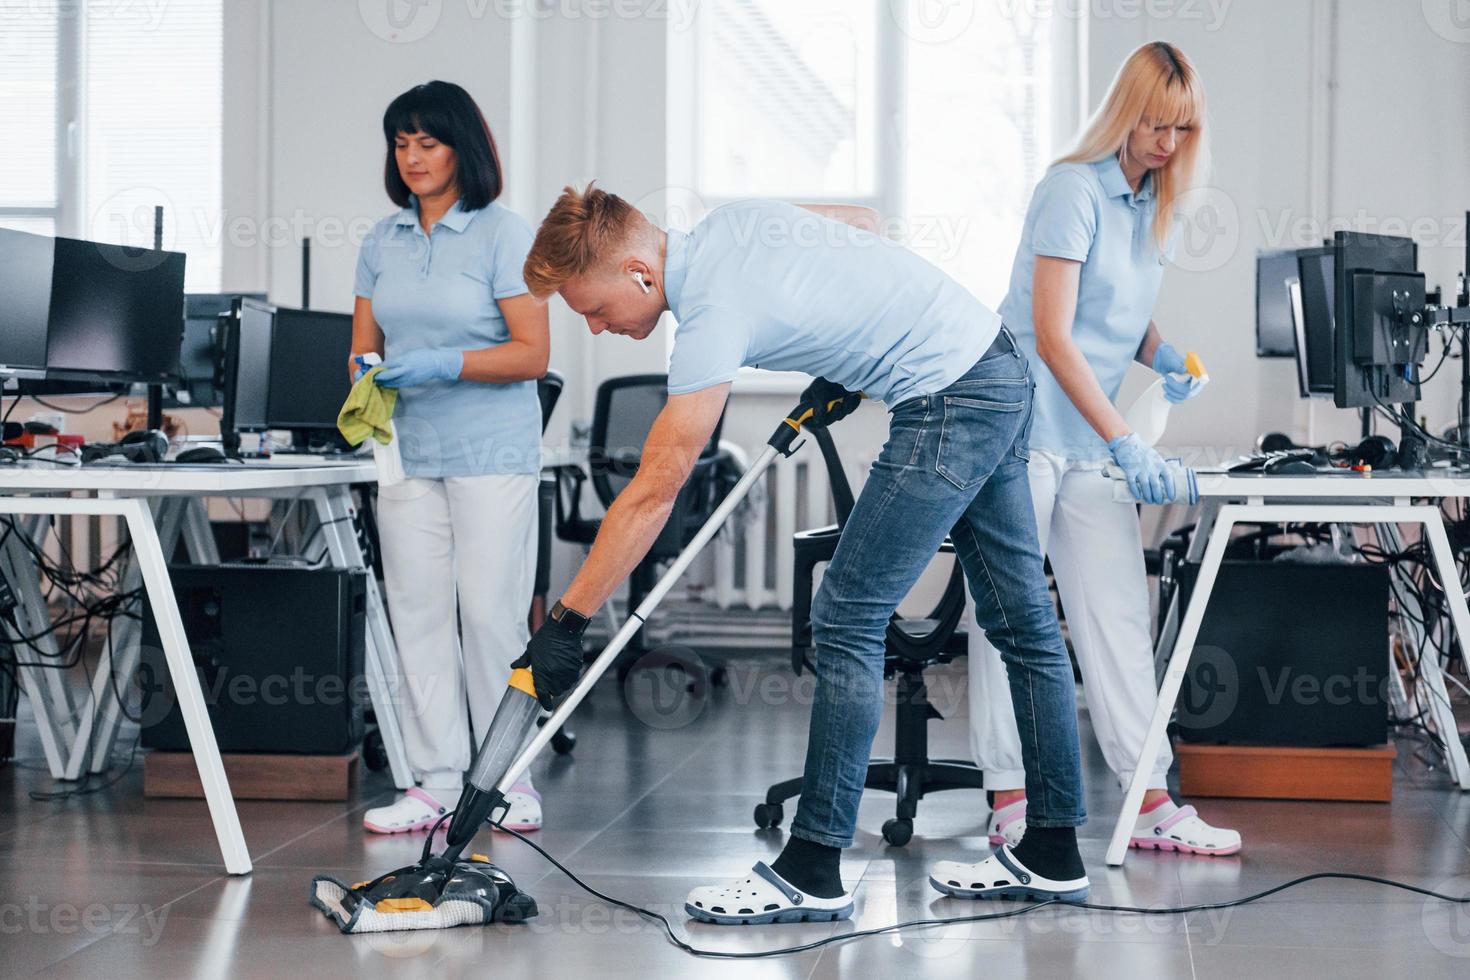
pixel 331 75
pixel 601 113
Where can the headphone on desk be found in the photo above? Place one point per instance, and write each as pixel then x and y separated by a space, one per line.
pixel 1379 452
pixel 138 446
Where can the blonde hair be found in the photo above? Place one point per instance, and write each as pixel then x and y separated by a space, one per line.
pixel 1159 84
pixel 579 232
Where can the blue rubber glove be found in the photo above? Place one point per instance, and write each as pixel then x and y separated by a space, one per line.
pixel 1179 384
pixel 419 367
pixel 359 369
pixel 1148 475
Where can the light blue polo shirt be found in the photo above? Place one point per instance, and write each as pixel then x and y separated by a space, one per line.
pixel 770 285
pixel 1086 212
pixel 441 290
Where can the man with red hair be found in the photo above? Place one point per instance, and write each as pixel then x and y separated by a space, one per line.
pixel 770 285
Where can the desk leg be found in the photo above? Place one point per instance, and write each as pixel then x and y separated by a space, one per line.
pixel 148 553
pixel 198 535
pixel 334 510
pixel 1439 698
pixel 1169 633
pixel 1173 677
pixel 99 720
pixel 1389 540
pixel 20 572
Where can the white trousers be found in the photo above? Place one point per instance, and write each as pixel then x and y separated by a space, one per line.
pixel 459 563
pixel 1096 552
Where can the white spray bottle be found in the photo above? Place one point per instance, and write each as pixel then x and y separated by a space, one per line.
pixel 1149 415
pixel 388 458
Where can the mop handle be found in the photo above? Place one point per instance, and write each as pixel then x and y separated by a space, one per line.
pixel 636 619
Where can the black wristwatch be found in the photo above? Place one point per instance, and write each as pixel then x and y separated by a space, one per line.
pixel 574 621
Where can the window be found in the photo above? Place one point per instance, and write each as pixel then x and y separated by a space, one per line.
pixel 28 112
pixel 942 117
pixel 121 107
pixel 791 84
pixel 979 113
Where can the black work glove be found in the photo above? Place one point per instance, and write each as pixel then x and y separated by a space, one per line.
pixel 829 402
pixel 555 658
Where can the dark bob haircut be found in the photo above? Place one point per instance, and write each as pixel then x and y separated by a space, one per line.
pixel 446 112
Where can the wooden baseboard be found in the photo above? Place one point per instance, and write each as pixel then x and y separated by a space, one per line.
pixel 255 777
pixel 1280 773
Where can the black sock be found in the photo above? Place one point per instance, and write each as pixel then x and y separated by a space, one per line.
pixel 1051 852
pixel 810 866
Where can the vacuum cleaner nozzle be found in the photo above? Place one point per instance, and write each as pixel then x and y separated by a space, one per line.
pixel 445 890
pixel 433 894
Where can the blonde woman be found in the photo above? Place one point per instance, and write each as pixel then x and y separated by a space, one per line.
pixel 1081 299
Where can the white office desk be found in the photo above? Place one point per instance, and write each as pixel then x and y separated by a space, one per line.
pixel 1383 500
pixel 159 503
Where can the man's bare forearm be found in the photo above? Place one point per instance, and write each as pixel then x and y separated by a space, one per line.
pixel 628 531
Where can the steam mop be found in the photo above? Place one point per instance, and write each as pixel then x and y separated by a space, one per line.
pixel 449 889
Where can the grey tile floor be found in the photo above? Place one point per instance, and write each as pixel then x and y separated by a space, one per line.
pixel 656 799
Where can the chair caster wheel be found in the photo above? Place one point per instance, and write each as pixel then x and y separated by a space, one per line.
pixel 768 815
pixel 719 677
pixel 898 831
pixel 563 742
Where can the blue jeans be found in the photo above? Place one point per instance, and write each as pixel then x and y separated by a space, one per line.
pixel 954 463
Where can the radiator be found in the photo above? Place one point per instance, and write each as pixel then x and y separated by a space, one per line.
pixel 752 554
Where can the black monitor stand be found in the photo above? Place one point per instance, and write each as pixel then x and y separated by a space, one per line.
pixel 155 407
pixel 318 442
pixel 155 391
pixel 1413 450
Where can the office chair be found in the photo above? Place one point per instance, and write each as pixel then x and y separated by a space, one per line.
pixel 622 416
pixel 911 646
pixel 548 393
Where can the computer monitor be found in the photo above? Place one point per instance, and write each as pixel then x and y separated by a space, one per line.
pixel 199 352
pixel 249 383
pixel 116 313
pixel 1367 374
pixel 1313 304
pixel 308 369
pixel 1274 336
pixel 25 302
pixel 289 367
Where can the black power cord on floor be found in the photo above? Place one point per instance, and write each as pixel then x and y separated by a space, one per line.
pixel 978 917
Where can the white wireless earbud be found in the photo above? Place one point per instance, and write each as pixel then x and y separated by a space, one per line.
pixel 638 278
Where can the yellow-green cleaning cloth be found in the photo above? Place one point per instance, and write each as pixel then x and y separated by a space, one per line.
pixel 367 411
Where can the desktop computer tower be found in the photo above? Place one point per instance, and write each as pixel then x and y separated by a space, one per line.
pixel 279 654
pixel 1289 655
